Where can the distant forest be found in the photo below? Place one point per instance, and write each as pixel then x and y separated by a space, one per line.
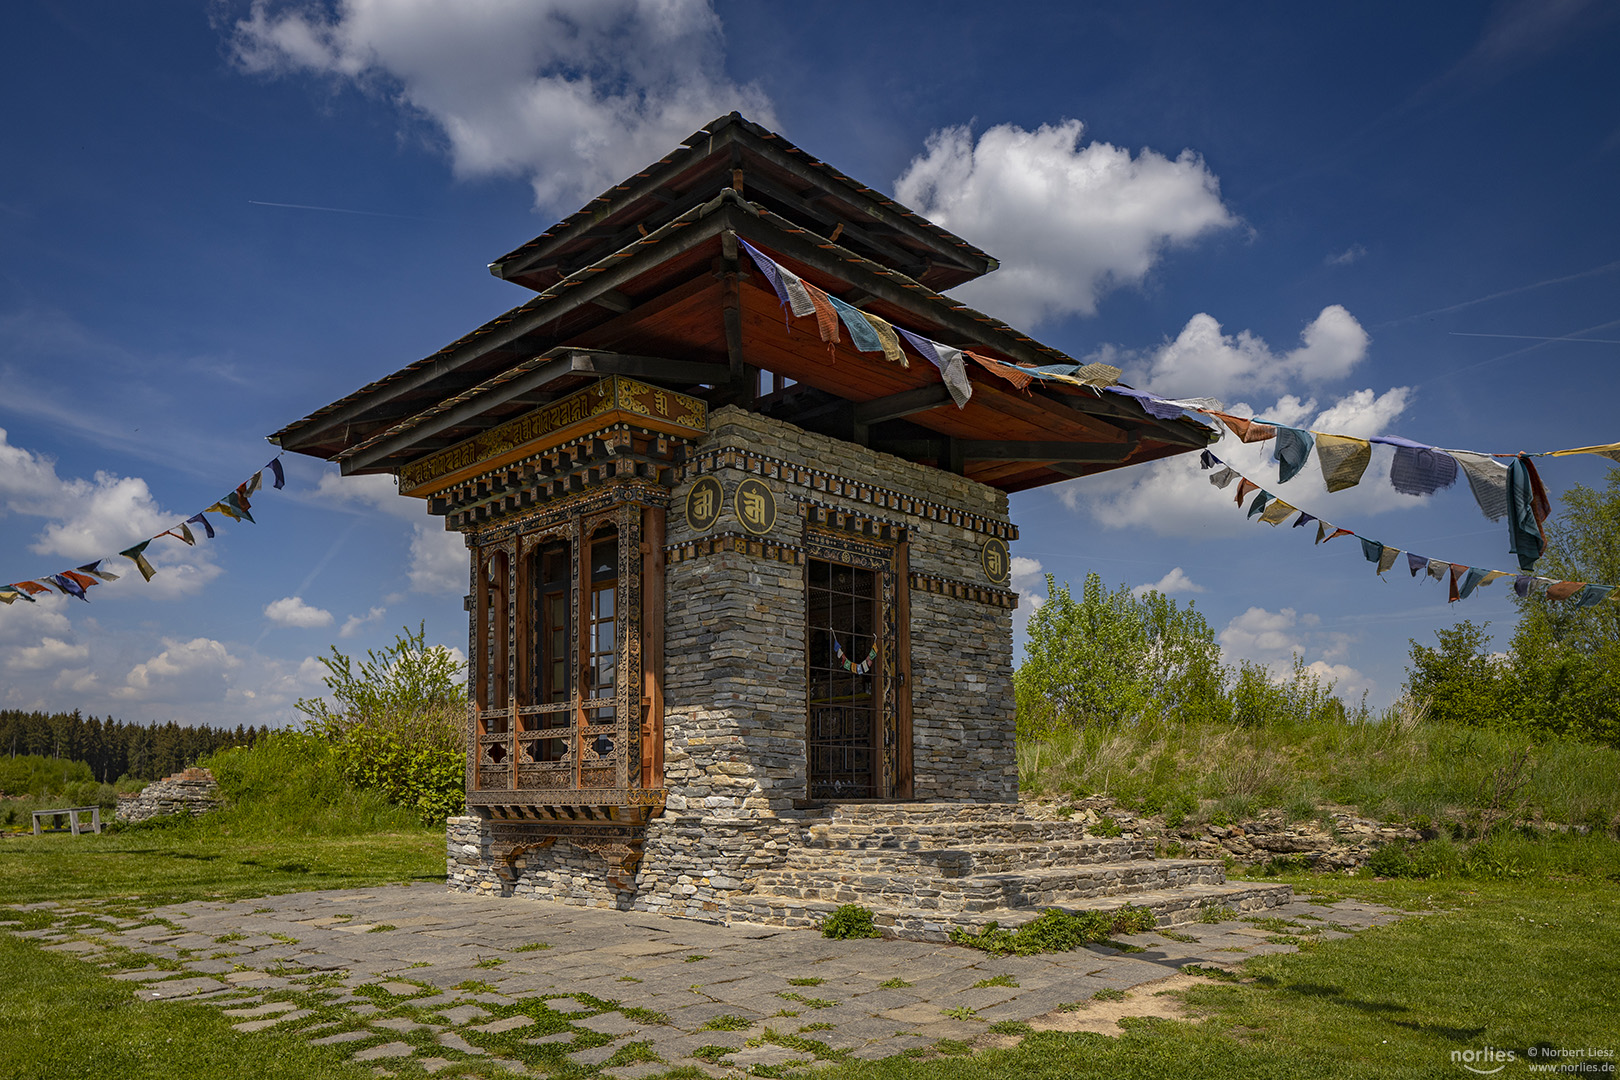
pixel 112 748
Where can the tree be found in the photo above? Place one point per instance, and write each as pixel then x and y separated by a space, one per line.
pixel 1114 656
pixel 1560 676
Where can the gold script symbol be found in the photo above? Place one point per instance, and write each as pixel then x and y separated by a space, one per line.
pixel 756 506
pixel 703 504
pixel 996 560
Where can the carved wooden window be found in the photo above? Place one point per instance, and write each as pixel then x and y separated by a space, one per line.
pixel 569 645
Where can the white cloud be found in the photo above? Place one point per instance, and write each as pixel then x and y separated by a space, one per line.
pixel 1273 638
pixel 355 623
pixel 1176 581
pixel 1344 258
pixel 572 95
pixel 438 560
pixel 292 611
pixel 1203 359
pixel 49 653
pixel 379 491
pixel 1173 497
pixel 1068 222
pixel 90 519
pixel 195 669
pixel 1027 576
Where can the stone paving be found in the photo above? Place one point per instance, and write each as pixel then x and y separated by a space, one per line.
pixel 415 980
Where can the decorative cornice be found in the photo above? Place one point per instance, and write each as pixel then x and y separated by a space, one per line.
pixel 821 480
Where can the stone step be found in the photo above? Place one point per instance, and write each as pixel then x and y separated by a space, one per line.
pixel 937 833
pixel 988 892
pixel 1173 907
pixel 953 858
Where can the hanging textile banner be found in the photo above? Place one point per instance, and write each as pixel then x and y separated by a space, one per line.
pixel 1462 579
pixel 77 582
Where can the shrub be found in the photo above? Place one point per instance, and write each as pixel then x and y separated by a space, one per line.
pixel 849 921
pixel 399 726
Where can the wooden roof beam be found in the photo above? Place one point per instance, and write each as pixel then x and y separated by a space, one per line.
pixel 905 403
pixel 571 362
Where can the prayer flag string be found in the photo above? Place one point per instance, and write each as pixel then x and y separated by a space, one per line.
pixel 1463 578
pixel 78 581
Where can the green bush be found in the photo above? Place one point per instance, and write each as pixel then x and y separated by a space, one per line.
pixel 849 921
pixel 399 725
pixel 287 783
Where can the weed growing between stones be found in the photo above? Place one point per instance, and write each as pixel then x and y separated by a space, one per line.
pixel 849 921
pixel 727 1022
pixel 1215 913
pixel 533 946
pixel 806 982
pixel 1011 1027
pixel 893 984
pixel 1109 994
pixel 382 928
pixel 961 1012
pixel 1057 931
pixel 1211 972
pixel 996 980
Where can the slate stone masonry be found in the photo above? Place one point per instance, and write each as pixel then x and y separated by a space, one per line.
pixel 191 791
pixel 735 768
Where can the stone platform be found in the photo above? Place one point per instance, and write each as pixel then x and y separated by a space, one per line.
pixel 921 868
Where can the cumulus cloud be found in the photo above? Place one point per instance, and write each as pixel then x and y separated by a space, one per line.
pixel 90 519
pixel 1176 581
pixel 378 491
pixel 571 95
pixel 1273 639
pixel 1068 222
pixel 49 653
pixel 292 611
pixel 1204 359
pixel 201 664
pixel 438 560
pixel 355 623
pixel 1027 576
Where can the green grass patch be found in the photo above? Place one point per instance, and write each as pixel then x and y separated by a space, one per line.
pixel 1109 994
pixel 727 1022
pixel 1056 931
pixel 533 946
pixel 893 984
pixel 381 928
pixel 808 1002
pixel 806 982
pixel 995 980
pixel 1011 1027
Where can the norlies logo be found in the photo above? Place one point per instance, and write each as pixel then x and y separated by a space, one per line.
pixel 1485 1061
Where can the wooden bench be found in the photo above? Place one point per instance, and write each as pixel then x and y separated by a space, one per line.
pixel 72 813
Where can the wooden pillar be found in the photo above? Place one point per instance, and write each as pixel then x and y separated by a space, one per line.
pixel 652 648
pixel 903 769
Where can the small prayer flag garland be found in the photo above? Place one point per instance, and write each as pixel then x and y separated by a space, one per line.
pixel 1513 490
pixel 77 582
pixel 862 668
pixel 1464 578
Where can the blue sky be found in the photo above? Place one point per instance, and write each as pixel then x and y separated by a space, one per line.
pixel 1386 218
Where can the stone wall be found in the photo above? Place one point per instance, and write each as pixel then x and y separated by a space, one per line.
pixel 192 791
pixel 735 682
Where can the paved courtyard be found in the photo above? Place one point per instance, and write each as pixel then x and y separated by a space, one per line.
pixel 414 978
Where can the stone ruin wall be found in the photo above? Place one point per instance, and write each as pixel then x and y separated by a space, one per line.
pixel 734 688
pixel 191 791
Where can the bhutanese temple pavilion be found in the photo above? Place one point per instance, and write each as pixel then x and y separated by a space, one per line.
pixel 733 484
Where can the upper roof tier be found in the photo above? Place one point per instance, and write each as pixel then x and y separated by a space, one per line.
pixel 732 152
pixel 651 281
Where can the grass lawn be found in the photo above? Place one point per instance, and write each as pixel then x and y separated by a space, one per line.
pixel 1508 964
pixel 151 867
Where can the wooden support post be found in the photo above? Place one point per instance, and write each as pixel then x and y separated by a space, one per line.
pixel 744 383
pixel 652 648
pixel 903 768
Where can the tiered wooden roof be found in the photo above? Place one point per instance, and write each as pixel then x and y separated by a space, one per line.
pixel 647 281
